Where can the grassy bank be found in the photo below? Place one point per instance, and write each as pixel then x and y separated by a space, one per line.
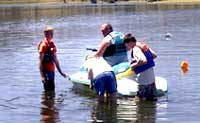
pixel 83 1
pixel 38 1
pixel 29 1
pixel 179 1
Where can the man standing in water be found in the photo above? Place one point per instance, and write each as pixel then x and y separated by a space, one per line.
pixel 48 60
pixel 112 47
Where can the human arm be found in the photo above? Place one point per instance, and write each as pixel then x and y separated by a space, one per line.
pixel 90 77
pixel 139 57
pixel 58 65
pixel 41 67
pixel 102 47
pixel 153 53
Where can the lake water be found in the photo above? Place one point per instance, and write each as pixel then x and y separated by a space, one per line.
pixel 77 28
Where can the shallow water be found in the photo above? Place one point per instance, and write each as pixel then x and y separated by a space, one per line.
pixel 76 28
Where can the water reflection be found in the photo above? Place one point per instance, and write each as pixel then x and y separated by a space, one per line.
pixel 16 12
pixel 49 112
pixel 104 112
pixel 126 110
pixel 146 111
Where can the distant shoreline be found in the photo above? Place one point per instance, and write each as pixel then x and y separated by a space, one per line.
pixel 71 3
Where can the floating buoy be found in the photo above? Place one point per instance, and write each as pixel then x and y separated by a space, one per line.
pixel 168 36
pixel 184 66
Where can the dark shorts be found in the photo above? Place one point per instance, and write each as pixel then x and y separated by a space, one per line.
pixel 147 92
pixel 105 82
pixel 49 84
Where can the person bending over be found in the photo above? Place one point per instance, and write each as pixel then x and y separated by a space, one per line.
pixel 102 78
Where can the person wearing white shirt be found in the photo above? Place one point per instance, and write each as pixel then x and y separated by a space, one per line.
pixel 102 78
pixel 143 65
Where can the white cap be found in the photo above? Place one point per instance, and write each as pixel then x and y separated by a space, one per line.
pixel 48 28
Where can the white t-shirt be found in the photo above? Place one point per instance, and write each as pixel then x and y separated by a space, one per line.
pixel 146 77
pixel 98 66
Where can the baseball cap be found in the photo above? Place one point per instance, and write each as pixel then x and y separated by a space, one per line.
pixel 48 28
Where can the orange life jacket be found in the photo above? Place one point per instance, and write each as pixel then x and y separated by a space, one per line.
pixel 49 52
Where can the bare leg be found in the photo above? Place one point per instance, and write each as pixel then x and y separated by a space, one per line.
pixel 113 97
pixel 101 99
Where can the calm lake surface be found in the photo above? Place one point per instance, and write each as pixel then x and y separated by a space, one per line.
pixel 76 28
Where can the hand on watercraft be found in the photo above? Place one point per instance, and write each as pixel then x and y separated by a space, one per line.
pixel 90 56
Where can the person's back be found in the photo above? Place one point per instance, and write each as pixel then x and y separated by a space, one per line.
pixel 98 66
pixel 102 78
pixel 116 52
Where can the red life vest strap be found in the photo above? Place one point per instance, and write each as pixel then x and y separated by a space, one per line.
pixel 142 45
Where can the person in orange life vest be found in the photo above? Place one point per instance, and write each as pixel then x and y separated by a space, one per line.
pixel 142 64
pixel 48 60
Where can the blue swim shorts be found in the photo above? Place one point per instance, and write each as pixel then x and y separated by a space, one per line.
pixel 49 84
pixel 106 81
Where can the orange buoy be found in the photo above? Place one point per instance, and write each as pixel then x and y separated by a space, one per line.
pixel 184 66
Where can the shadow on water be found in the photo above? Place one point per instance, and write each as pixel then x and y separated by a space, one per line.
pixel 49 112
pixel 51 105
pixel 83 90
pixel 125 110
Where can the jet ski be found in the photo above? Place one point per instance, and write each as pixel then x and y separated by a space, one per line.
pixel 126 82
